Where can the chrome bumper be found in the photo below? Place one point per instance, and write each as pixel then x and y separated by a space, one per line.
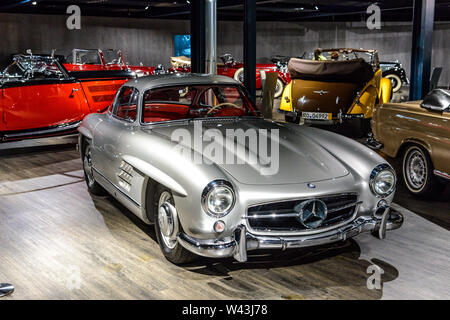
pixel 243 241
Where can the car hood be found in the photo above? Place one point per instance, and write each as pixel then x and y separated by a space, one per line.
pixel 299 158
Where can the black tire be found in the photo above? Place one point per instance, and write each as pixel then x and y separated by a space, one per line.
pixel 93 186
pixel 176 254
pixel 417 171
pixel 292 119
pixel 395 80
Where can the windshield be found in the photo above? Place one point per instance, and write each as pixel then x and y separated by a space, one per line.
pixel 32 69
pixel 81 56
pixel 343 55
pixel 175 103
pixel 112 57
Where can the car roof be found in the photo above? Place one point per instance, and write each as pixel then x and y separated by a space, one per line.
pixel 178 79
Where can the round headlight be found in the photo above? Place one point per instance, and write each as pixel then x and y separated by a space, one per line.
pixel 382 180
pixel 218 198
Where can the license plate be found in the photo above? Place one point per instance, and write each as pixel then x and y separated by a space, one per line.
pixel 317 115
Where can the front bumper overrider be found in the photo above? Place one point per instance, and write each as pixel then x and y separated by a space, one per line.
pixel 243 240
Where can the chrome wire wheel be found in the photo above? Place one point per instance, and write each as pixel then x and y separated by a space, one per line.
pixel 168 223
pixel 415 169
pixel 87 165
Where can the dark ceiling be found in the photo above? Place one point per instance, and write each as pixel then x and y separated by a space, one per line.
pixel 267 10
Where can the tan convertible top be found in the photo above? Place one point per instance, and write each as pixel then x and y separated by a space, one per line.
pixel 356 70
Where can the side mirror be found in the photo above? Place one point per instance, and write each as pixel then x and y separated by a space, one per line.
pixel 437 100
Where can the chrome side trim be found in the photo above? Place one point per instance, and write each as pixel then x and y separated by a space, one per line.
pixel 117 188
pixel 442 174
pixel 54 130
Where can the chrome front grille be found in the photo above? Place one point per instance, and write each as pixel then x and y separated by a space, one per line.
pixel 281 216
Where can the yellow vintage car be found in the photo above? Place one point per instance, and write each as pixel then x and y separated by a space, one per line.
pixel 338 85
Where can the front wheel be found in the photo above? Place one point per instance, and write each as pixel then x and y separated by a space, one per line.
pixel 418 172
pixel 167 227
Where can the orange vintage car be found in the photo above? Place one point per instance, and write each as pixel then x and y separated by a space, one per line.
pixel 339 85
pixel 40 98
pixel 419 132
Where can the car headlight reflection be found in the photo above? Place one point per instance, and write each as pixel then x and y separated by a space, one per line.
pixel 218 198
pixel 383 180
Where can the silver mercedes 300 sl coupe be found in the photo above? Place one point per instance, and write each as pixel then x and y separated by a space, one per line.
pixel 190 154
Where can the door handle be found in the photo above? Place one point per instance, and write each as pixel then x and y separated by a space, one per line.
pixel 73 91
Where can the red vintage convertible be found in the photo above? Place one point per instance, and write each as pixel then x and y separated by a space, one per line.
pixel 96 59
pixel 233 69
pixel 40 98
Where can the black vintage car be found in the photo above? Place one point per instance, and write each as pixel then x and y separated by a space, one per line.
pixel 395 72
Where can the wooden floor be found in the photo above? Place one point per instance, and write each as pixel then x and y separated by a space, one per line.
pixel 58 242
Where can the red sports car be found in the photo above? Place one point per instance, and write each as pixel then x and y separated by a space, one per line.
pixel 96 59
pixel 233 69
pixel 40 98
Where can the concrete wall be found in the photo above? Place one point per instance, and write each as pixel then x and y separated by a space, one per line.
pixel 151 41
pixel 393 41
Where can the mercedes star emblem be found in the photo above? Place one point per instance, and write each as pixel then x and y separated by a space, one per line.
pixel 311 213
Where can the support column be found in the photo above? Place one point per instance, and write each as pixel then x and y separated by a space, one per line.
pixel 198 61
pixel 250 47
pixel 422 42
pixel 211 36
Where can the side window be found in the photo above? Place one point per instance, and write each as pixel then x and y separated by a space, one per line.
pixel 125 104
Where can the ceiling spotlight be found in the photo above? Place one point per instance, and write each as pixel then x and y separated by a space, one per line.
pixel 316 7
pixel 34 3
pixel 146 8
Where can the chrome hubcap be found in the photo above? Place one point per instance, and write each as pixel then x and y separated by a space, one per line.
pixel 166 220
pixel 277 87
pixel 87 164
pixel 416 172
pixel 394 82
